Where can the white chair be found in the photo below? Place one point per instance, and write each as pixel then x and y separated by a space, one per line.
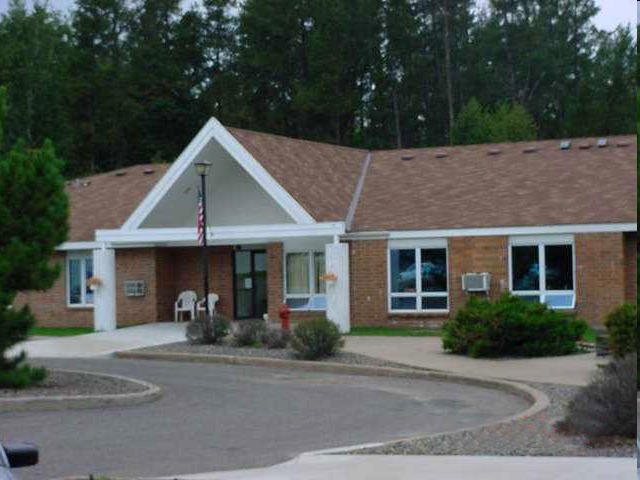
pixel 186 303
pixel 213 300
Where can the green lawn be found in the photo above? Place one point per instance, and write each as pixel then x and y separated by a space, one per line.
pixel 59 331
pixel 394 332
pixel 589 336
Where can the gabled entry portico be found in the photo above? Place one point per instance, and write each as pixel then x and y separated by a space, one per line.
pixel 255 230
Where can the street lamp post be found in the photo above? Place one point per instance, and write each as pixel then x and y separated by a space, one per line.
pixel 202 168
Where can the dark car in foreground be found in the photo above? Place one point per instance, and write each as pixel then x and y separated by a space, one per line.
pixel 16 455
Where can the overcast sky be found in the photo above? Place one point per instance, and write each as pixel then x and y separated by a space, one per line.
pixel 612 12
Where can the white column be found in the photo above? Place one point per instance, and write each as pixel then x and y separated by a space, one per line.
pixel 104 297
pixel 337 262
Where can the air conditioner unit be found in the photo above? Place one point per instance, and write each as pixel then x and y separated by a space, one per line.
pixel 476 282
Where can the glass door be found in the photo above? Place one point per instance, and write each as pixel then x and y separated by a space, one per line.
pixel 250 283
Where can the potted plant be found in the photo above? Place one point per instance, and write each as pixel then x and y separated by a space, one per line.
pixel 94 283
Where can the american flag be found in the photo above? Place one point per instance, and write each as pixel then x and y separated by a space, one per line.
pixel 200 218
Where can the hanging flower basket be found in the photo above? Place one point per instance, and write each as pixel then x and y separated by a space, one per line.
pixel 329 277
pixel 94 283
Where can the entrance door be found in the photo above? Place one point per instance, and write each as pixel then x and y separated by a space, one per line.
pixel 250 283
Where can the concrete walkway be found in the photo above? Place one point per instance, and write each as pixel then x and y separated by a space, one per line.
pixel 103 343
pixel 404 467
pixel 426 352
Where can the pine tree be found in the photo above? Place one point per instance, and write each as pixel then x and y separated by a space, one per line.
pixel 33 222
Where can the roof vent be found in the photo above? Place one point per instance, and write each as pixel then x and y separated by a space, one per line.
pixel 495 151
pixel 565 145
pixel 442 154
pixel 584 146
pixel 623 144
pixel 406 157
pixel 120 174
pixel 531 149
pixel 602 142
pixel 148 171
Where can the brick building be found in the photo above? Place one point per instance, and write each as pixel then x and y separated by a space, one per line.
pixel 363 237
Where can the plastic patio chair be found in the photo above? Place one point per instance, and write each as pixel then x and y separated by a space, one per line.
pixel 213 300
pixel 186 303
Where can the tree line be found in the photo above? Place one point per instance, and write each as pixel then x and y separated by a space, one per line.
pixel 115 82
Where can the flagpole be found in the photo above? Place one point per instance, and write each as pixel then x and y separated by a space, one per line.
pixel 201 168
pixel 205 256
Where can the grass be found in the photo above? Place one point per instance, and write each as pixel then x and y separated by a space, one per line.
pixel 59 331
pixel 589 336
pixel 394 332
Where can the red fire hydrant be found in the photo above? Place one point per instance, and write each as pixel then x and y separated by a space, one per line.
pixel 284 313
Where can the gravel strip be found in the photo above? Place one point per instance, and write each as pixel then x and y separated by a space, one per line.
pixel 282 354
pixel 61 383
pixel 534 436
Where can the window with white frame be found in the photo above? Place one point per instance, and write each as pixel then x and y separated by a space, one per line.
pixel 79 270
pixel 542 270
pixel 422 289
pixel 304 288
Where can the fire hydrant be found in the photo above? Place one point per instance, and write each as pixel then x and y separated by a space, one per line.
pixel 284 313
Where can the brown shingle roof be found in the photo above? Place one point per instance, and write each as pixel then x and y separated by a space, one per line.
pixel 106 200
pixel 320 176
pixel 467 188
pixel 472 188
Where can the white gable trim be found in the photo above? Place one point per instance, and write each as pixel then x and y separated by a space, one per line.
pixel 222 235
pixel 213 129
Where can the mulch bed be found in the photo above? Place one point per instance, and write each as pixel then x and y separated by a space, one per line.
pixel 60 383
pixel 534 436
pixel 277 353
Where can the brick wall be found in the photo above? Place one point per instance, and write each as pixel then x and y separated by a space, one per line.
pixel 275 295
pixel 136 264
pixel 631 267
pixel 600 274
pixel 369 304
pixel 477 254
pixel 368 282
pixel 50 306
pixel 181 269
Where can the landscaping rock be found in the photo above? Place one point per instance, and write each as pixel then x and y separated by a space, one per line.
pixel 62 383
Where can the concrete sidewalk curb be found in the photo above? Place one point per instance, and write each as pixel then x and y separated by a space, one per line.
pixel 538 400
pixel 66 402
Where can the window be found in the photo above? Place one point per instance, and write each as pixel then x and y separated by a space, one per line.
pixel 79 270
pixel 426 291
pixel 542 271
pixel 304 287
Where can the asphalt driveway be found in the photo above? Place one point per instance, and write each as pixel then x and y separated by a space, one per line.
pixel 215 417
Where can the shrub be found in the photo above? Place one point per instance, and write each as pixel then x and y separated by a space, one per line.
pixel 511 326
pixel 622 326
pixel 219 328
pixel 316 339
pixel 276 338
pixel 249 333
pixel 607 405
pixel 22 377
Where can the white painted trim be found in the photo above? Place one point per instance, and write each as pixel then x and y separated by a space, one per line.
pixel 261 175
pixel 418 243
pixel 491 231
pixel 214 130
pixel 419 294
pixel 242 232
pixel 541 242
pixel 542 239
pixel 82 256
pixel 311 279
pixel 78 246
